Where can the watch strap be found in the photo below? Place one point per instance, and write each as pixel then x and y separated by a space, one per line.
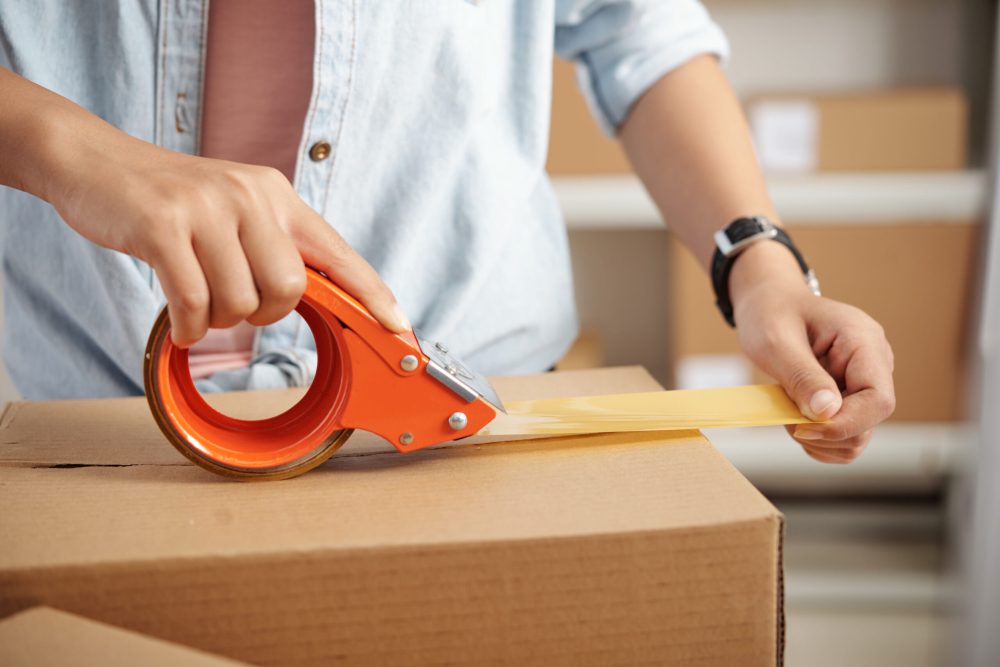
pixel 753 230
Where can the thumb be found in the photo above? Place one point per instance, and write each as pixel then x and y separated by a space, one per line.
pixel 322 247
pixel 806 381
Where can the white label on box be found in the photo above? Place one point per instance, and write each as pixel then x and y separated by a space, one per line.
pixel 704 371
pixel 785 133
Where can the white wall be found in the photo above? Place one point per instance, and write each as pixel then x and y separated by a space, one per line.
pixel 808 45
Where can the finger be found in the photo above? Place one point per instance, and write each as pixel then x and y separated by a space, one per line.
pixel 325 249
pixel 184 285
pixel 824 456
pixel 869 401
pixel 233 295
pixel 859 441
pixel 791 361
pixel 277 269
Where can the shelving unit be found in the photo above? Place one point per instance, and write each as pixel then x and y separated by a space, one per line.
pixel 620 202
pixel 903 458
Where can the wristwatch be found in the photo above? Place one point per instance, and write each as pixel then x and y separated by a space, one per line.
pixel 733 239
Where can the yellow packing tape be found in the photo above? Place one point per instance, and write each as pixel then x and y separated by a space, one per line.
pixel 758 405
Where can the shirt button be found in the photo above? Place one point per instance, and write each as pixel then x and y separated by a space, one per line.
pixel 320 151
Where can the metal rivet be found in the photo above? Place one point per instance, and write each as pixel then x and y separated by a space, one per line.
pixel 457 421
pixel 441 347
pixel 408 363
pixel 320 151
pixel 406 438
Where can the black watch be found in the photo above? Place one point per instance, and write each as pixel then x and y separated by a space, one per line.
pixel 732 239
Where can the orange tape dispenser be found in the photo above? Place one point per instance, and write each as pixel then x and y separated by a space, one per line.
pixel 409 391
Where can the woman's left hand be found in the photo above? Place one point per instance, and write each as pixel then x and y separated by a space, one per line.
pixel 832 359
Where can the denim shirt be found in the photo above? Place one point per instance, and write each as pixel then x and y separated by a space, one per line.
pixel 437 114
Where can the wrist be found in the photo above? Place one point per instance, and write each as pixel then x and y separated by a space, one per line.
pixel 754 256
pixel 55 145
pixel 765 265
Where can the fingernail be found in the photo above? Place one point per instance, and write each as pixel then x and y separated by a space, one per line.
pixel 823 401
pixel 401 319
pixel 808 434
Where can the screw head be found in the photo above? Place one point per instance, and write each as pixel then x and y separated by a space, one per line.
pixel 457 421
pixel 406 438
pixel 408 363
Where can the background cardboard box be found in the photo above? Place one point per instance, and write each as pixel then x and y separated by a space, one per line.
pixel 576 143
pixel 902 129
pixel 630 548
pixel 915 279
pixel 905 129
pixel 43 637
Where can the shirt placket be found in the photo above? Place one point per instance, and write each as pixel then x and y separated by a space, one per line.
pixel 180 74
pixel 333 75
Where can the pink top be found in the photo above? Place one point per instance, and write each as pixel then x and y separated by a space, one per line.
pixel 258 80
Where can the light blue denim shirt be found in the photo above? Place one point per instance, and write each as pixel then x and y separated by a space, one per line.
pixel 438 117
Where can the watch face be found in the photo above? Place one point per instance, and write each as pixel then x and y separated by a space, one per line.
pixel 741 233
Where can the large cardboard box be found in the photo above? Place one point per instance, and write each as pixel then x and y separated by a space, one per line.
pixel 916 279
pixel 606 549
pixel 919 129
pixel 576 143
pixel 904 129
pixel 44 637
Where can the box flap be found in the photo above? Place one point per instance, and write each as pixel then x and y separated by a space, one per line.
pixel 75 433
pixel 130 510
pixel 641 547
pixel 44 637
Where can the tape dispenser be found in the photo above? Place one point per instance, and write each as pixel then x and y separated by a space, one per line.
pixel 405 389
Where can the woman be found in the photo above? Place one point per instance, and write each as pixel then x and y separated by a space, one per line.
pixel 357 135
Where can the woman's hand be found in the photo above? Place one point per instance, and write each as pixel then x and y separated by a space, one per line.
pixel 227 240
pixel 832 359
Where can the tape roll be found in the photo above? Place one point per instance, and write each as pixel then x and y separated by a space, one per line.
pixel 278 447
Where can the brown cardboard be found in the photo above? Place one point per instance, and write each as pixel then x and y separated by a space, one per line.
pixel 918 129
pixel 587 351
pixel 43 637
pixel 902 129
pixel 915 279
pixel 596 550
pixel 576 143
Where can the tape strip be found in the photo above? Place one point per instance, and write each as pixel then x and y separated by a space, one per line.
pixel 757 405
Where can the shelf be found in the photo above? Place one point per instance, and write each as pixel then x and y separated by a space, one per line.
pixel 901 458
pixel 620 202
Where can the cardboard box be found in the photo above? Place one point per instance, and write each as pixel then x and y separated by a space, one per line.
pixel 920 128
pixel 915 279
pixel 576 143
pixel 605 549
pixel 587 351
pixel 883 130
pixel 43 637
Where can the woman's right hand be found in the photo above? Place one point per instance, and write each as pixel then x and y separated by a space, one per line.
pixel 228 241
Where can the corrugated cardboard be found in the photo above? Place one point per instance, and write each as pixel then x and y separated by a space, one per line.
pixel 587 351
pixel 915 279
pixel 920 128
pixel 597 550
pixel 43 637
pixel 576 143
pixel 881 130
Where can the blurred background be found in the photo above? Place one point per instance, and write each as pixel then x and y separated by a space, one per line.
pixel 872 118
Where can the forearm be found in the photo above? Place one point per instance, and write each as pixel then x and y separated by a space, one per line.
pixel 47 141
pixel 689 143
pixel 26 112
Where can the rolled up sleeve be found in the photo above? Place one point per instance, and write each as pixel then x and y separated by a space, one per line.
pixel 622 47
